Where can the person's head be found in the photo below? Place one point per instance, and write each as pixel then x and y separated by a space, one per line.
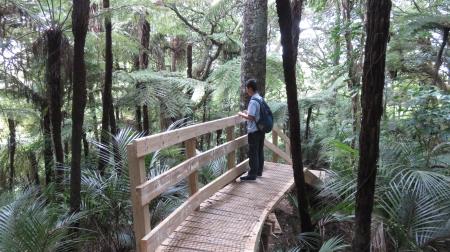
pixel 251 87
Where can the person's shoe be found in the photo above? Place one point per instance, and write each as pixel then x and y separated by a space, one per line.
pixel 259 174
pixel 245 178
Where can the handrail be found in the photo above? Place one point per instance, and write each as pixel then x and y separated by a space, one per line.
pixel 149 144
pixel 143 191
pixel 154 187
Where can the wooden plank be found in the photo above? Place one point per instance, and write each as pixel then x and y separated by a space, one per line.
pixel 277 150
pixel 193 177
pixel 231 158
pixel 275 142
pixel 154 187
pixel 141 215
pixel 255 234
pixel 149 144
pixel 153 239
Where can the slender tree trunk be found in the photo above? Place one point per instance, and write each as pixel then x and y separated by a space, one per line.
pixel 190 92
pixel 107 88
pixel 92 107
pixel 66 149
pixel 289 61
pixel 144 37
pixel 353 84
pixel 253 54
pixel 11 150
pixel 189 60
pixel 308 121
pixel 85 145
pixel 34 168
pixel 80 21
pixel 438 63
pixel 138 118
pixel 146 120
pixel 112 120
pixel 377 27
pixel 336 35
pixel 48 152
pixel 55 93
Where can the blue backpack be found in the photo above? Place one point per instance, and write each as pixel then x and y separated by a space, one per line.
pixel 265 122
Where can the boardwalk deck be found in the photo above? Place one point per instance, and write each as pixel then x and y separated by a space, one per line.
pixel 224 215
pixel 232 219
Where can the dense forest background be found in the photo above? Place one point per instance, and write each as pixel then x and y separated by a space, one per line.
pixel 152 66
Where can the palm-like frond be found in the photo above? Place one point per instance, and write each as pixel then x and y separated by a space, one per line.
pixel 117 158
pixel 333 244
pixel 414 219
pixel 29 223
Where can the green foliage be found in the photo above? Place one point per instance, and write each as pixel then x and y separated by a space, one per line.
pixel 29 223
pixel 154 88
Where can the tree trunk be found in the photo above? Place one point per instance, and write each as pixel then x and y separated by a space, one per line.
pixel 289 61
pixel 353 84
pixel 377 27
pixel 438 63
pixel 112 119
pixel 336 35
pixel 80 21
pixel 66 149
pixel 138 118
pixel 253 54
pixel 92 108
pixel 34 168
pixel 178 53
pixel 254 40
pixel 11 150
pixel 146 120
pixel 308 120
pixel 107 88
pixel 85 145
pixel 144 37
pixel 48 152
pixel 55 93
pixel 189 60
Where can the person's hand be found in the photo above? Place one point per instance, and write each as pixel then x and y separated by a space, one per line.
pixel 241 114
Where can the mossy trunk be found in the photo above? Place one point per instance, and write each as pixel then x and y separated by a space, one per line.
pixel 55 94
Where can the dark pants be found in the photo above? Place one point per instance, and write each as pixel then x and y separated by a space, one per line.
pixel 256 152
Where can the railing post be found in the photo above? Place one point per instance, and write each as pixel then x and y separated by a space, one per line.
pixel 275 142
pixel 141 215
pixel 231 158
pixel 191 152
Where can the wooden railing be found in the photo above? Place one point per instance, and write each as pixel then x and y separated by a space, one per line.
pixel 143 191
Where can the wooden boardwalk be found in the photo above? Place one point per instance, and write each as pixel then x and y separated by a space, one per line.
pixel 232 219
pixel 225 214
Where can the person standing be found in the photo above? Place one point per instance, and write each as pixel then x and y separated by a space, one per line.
pixel 255 136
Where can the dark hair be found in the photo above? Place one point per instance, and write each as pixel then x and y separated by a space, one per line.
pixel 251 84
